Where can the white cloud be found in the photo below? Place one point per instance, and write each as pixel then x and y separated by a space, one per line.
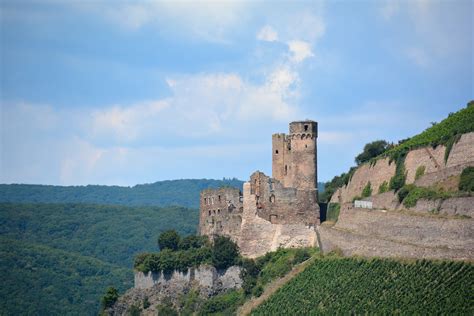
pixel 299 50
pixel 268 34
pixel 207 20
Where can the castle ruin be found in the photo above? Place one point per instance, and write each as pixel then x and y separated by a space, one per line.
pixel 281 211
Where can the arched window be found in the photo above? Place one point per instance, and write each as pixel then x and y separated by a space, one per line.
pixel 276 151
pixel 272 198
pixel 286 170
pixel 306 128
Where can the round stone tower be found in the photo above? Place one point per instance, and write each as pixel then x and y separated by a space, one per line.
pixel 303 135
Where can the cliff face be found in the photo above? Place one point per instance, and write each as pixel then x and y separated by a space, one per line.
pixel 432 159
pixel 159 287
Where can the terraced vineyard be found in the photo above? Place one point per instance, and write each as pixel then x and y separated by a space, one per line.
pixel 334 285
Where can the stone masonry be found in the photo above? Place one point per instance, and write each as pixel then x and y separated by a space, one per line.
pixel 281 211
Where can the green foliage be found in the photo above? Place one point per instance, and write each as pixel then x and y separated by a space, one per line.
pixel 372 150
pixel 146 303
pixel 249 274
pixel 398 180
pixel 343 286
pixel 403 192
pixel 257 291
pixel 42 280
pixel 466 183
pixel 223 304
pixel 60 258
pixel 301 254
pixel 169 240
pixel 439 134
pixel 193 241
pixel 190 302
pixel 367 191
pixel 134 310
pixel 416 193
pixel 109 298
pixel 224 252
pixel 167 310
pixel 332 213
pixel 383 187
pixel 336 182
pixel 419 172
pixel 168 260
pixel 163 193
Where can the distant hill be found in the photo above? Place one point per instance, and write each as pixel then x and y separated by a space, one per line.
pixel 58 259
pixel 163 193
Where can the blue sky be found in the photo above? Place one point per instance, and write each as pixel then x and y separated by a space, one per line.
pixel 118 92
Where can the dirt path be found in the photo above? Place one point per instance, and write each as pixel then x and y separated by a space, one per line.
pixel 272 288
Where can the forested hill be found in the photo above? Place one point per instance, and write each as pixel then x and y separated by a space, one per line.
pixel 163 193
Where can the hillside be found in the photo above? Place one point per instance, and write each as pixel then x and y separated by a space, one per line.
pixel 40 280
pixel 67 254
pixel 163 193
pixel 334 285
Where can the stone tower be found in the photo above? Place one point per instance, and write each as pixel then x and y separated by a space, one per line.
pixel 294 161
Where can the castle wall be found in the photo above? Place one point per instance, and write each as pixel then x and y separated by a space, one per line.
pixel 260 235
pixel 280 205
pixel 221 212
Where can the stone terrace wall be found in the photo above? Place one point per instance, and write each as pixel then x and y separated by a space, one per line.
pixel 436 170
pixel 376 174
pixel 395 234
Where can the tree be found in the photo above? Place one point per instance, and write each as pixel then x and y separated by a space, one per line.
pixel 372 150
pixel 169 240
pixel 110 297
pixel 224 252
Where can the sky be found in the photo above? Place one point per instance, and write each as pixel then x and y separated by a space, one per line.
pixel 130 92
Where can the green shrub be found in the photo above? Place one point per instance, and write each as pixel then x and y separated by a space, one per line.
pixel 224 252
pixel 419 172
pixel 301 255
pixel 249 274
pixel 166 309
pixel 404 192
pixel 168 260
pixel 416 193
pixel 146 303
pixel 332 213
pixel 109 298
pixel 193 241
pixel 372 150
pixel 134 310
pixel 383 187
pixel 367 191
pixel 169 240
pixel 466 183
pixel 223 304
pixel 257 291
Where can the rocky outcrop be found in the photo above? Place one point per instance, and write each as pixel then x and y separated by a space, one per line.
pixel 158 286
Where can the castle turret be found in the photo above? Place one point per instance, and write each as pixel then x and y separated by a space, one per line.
pixel 294 156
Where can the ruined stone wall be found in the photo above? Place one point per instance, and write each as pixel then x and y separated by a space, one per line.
pixel 221 212
pixel 259 235
pixel 159 287
pixel 280 205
